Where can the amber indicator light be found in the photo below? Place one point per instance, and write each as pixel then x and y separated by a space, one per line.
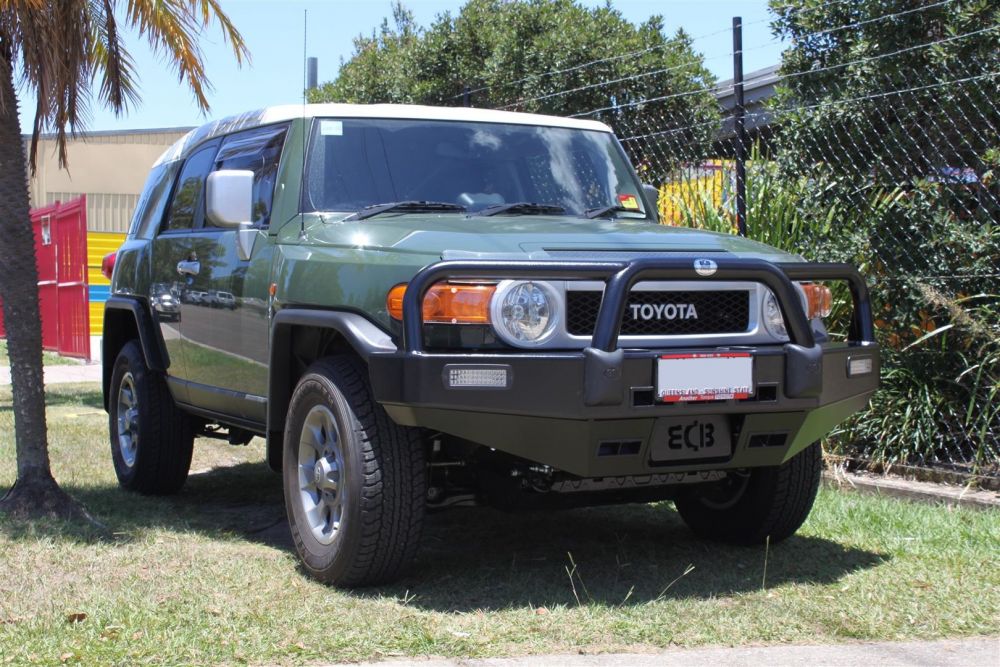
pixel 448 303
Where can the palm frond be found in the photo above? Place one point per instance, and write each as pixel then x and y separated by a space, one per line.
pixel 173 26
pixel 59 50
pixel 113 63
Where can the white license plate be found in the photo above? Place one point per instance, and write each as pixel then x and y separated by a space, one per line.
pixel 711 376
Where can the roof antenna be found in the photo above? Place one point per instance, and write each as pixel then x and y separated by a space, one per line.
pixel 305 67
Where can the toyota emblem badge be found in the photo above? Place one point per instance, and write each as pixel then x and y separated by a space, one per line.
pixel 705 267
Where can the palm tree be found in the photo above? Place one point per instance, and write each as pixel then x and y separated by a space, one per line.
pixel 64 51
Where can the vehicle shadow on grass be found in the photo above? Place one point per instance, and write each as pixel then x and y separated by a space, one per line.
pixel 482 559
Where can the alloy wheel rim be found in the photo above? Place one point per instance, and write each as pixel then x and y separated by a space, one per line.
pixel 727 492
pixel 322 495
pixel 128 420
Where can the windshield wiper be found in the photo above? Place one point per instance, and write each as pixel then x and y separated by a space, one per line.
pixel 409 206
pixel 521 207
pixel 605 211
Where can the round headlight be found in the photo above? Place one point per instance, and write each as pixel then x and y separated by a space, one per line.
pixel 773 321
pixel 524 313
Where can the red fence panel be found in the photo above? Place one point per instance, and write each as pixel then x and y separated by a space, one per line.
pixel 61 255
pixel 71 275
pixel 43 221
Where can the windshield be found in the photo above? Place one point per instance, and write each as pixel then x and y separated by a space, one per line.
pixel 356 163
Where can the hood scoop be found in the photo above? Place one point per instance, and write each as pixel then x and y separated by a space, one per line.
pixel 471 254
pixel 573 254
pixel 621 255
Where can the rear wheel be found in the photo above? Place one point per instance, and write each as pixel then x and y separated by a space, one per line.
pixel 354 480
pixel 748 507
pixel 151 439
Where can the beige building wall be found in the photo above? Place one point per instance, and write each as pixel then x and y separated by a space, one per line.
pixel 110 168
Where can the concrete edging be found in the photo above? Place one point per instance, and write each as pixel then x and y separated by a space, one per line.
pixel 929 492
pixel 936 653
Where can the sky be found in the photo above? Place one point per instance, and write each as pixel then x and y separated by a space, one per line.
pixel 273 31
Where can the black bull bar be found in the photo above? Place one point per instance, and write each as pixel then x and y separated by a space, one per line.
pixel 604 359
pixel 621 277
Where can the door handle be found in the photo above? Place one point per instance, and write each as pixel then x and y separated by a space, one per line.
pixel 188 268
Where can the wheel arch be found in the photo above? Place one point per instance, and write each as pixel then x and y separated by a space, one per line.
pixel 300 336
pixel 127 318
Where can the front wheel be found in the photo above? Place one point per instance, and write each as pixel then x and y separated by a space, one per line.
pixel 354 480
pixel 749 507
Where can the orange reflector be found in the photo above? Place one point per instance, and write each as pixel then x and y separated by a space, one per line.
pixel 819 299
pixel 447 303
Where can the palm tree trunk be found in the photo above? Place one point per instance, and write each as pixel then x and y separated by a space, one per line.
pixel 35 492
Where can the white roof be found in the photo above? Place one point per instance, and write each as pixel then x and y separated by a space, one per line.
pixel 277 114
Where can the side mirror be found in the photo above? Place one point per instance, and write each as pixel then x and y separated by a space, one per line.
pixel 229 197
pixel 652 199
pixel 229 203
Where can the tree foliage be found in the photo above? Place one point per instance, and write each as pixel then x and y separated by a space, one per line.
pixel 543 56
pixel 897 89
pixel 894 101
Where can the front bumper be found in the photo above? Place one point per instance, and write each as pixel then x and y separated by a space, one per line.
pixel 569 409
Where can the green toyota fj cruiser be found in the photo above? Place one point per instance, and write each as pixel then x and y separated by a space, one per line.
pixel 422 307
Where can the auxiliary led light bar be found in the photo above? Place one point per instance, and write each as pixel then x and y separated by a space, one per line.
pixel 463 376
pixel 859 366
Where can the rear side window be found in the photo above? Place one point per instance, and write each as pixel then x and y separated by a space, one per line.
pixel 153 201
pixel 187 208
pixel 259 151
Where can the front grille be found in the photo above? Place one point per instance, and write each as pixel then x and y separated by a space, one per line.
pixel 718 312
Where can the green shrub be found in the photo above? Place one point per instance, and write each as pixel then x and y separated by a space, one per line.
pixel 931 267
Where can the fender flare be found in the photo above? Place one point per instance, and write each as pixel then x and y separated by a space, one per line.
pixel 153 348
pixel 364 337
pixel 150 340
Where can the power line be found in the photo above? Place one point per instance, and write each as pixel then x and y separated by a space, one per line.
pixel 908 49
pixel 884 17
pixel 673 130
pixel 889 93
pixel 602 84
pixel 717 91
pixel 639 52
pixel 765 114
pixel 599 61
pixel 629 105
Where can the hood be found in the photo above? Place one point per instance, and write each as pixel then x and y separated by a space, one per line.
pixel 452 236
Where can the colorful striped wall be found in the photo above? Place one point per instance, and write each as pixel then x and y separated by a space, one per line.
pixel 99 244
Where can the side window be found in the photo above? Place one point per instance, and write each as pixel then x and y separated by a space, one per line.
pixel 259 151
pixel 186 209
pixel 153 201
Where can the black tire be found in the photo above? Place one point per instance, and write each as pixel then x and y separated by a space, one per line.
pixel 155 455
pixel 378 498
pixel 761 503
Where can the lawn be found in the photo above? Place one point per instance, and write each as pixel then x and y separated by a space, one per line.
pixel 208 576
pixel 48 358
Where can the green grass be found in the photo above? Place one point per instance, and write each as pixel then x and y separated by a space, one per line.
pixel 48 358
pixel 208 576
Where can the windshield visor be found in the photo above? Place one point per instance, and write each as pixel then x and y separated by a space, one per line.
pixel 354 163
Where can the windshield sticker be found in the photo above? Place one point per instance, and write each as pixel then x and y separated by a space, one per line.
pixel 629 202
pixel 331 128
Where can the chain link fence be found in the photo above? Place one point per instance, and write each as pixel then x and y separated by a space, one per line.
pixel 874 141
